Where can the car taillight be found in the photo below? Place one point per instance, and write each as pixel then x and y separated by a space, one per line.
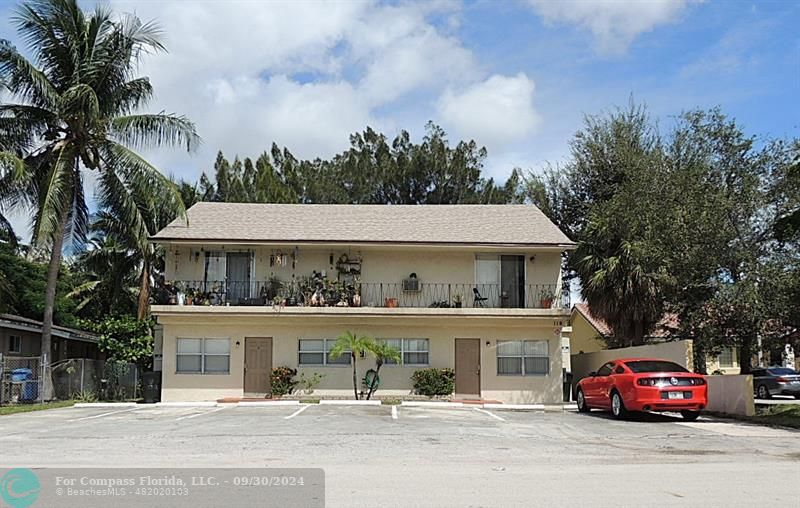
pixel 649 381
pixel 782 380
pixel 698 381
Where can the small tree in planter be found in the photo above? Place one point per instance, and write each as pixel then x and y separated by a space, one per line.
pixel 356 346
pixel 382 352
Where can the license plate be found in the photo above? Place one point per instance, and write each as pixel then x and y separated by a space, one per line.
pixel 675 395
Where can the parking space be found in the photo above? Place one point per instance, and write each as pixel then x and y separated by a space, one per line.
pixel 477 456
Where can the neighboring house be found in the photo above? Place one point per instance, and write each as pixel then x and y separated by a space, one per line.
pixel 22 337
pixel 589 334
pixel 394 272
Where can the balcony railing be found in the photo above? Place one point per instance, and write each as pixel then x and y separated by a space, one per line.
pixel 364 294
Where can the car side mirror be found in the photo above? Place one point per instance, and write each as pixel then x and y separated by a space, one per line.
pixel 593 373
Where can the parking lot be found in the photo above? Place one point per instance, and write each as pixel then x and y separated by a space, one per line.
pixel 410 456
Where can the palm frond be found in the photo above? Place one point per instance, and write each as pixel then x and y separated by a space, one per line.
pixel 24 80
pixel 155 130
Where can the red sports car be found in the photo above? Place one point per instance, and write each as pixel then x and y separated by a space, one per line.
pixel 643 384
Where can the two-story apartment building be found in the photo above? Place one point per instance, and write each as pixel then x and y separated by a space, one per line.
pixel 476 288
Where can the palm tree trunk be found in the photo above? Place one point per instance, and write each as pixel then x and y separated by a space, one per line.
pixel 144 291
pixel 355 382
pixel 49 305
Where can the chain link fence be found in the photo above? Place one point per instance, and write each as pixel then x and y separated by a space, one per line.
pixel 21 380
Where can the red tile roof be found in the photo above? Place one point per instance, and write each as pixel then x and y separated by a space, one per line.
pixel 666 327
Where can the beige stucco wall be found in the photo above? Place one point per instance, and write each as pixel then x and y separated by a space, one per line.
pixel 286 330
pixel 731 395
pixel 713 365
pixel 387 265
pixel 679 351
pixel 584 338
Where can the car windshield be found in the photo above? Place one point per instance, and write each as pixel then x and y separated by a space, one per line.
pixel 654 366
pixel 782 371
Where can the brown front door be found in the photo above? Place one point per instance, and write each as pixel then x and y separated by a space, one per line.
pixel 468 368
pixel 257 364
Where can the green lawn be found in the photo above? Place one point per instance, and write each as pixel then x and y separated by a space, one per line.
pixel 26 408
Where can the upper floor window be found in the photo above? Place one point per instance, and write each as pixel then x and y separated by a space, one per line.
pixel 726 357
pixel 522 358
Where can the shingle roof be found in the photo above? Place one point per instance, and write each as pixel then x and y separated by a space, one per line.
pixel 435 224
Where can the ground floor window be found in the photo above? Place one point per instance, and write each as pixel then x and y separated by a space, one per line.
pixel 14 344
pixel 412 351
pixel 203 356
pixel 522 358
pixel 317 352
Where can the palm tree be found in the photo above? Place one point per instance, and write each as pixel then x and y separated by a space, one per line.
pixel 356 345
pixel 77 100
pixel 112 280
pixel 383 352
pixel 157 208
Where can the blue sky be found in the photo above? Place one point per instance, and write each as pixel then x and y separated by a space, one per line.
pixel 516 75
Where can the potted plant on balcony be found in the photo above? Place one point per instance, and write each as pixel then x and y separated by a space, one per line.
pixel 457 301
pixel 546 298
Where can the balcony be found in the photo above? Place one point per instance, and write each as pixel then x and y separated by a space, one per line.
pixel 406 294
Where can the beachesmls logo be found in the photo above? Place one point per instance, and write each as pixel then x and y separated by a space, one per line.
pixel 19 488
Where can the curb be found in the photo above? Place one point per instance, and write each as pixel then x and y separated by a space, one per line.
pixel 422 403
pixel 517 407
pixel 184 404
pixel 333 402
pixel 106 404
pixel 266 403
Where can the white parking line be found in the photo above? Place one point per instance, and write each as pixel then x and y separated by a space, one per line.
pixel 195 415
pixel 104 414
pixel 297 412
pixel 490 414
pixel 394 412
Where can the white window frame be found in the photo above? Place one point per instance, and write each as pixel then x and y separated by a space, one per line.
pixel 202 354
pixel 11 348
pixel 522 357
pixel 324 352
pixel 404 349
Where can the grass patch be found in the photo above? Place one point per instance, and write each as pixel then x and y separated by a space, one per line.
pixel 309 401
pixel 785 415
pixel 391 401
pixel 27 408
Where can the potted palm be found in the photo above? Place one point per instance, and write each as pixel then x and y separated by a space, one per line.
pixel 457 301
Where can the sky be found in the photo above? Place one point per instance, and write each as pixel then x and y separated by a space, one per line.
pixel 518 76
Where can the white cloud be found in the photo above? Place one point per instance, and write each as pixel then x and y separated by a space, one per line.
pixel 303 74
pixel 614 23
pixel 495 112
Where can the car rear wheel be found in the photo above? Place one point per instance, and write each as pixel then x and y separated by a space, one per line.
pixel 617 406
pixel 690 415
pixel 763 392
pixel 582 407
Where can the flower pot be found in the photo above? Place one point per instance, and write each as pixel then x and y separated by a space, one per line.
pixel 391 302
pixel 546 303
pixel 457 305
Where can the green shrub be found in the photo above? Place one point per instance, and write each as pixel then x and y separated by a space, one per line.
pixel 282 380
pixel 432 382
